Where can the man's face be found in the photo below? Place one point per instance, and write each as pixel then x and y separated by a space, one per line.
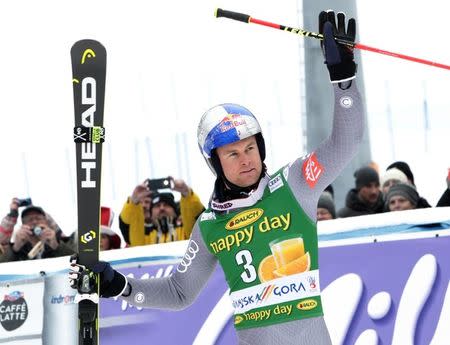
pixel 241 162
pixel 162 209
pixel 323 214
pixel 34 218
pixel 399 203
pixel 369 193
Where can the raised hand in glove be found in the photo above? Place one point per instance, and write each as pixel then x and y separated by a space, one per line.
pixel 112 283
pixel 339 57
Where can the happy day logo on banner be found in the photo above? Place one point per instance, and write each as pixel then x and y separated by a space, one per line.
pixel 13 311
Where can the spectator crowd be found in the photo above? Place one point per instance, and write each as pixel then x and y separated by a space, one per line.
pixel 154 216
pixel 374 192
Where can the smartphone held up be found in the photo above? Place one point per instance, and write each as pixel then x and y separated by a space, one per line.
pixel 24 202
pixel 160 183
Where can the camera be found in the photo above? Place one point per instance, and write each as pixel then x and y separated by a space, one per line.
pixel 159 183
pixel 37 231
pixel 24 202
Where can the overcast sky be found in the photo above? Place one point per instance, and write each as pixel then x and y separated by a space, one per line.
pixel 170 61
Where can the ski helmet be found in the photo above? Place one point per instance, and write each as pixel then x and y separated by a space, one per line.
pixel 225 124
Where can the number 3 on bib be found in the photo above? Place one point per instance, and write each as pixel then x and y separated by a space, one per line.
pixel 244 257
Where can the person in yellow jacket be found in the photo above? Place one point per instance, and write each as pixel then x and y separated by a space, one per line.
pixel 149 217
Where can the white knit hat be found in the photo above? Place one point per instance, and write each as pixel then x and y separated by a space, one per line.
pixel 393 174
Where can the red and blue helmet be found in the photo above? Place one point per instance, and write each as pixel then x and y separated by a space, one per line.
pixel 225 124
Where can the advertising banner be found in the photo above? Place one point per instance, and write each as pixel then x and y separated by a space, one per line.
pixel 394 292
pixel 60 310
pixel 21 311
pixel 389 288
pixel 121 322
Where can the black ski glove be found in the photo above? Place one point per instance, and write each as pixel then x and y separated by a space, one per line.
pixel 112 283
pixel 339 58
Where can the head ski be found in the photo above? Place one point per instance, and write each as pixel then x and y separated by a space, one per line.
pixel 89 71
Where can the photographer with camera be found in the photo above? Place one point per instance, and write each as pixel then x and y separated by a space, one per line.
pixel 150 216
pixel 37 238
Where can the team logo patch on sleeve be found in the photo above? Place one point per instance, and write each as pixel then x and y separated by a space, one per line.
pixel 312 170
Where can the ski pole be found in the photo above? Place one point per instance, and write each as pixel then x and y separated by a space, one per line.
pixel 248 19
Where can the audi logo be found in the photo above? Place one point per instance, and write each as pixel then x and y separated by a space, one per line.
pixel 190 254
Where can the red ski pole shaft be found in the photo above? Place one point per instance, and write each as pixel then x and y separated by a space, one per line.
pixel 248 19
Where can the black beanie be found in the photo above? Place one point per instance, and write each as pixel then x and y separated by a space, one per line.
pixel 404 168
pixel 168 198
pixel 330 190
pixel 365 176
pixel 326 202
pixel 405 190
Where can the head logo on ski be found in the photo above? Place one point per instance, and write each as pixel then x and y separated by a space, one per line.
pixel 89 70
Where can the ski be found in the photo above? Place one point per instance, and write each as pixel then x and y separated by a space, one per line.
pixel 89 72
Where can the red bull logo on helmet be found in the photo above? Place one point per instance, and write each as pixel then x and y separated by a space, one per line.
pixel 231 121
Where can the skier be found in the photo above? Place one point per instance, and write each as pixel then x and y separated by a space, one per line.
pixel 261 228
